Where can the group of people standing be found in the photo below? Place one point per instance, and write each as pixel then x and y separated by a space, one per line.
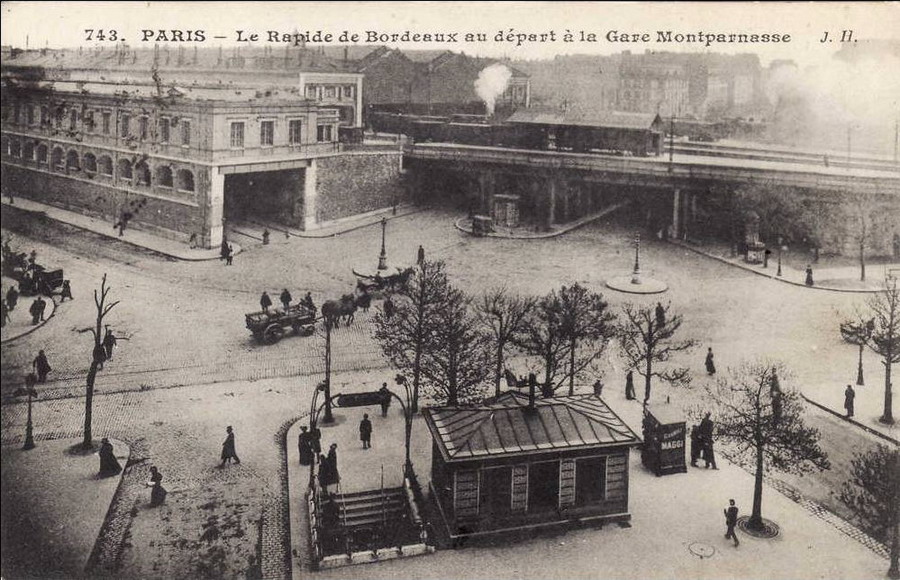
pixel 265 301
pixel 702 443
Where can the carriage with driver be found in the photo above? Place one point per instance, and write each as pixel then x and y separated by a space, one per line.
pixel 269 327
pixel 383 282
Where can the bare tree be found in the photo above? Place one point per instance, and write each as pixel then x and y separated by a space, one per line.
pixel 404 335
pixel 885 339
pixel 97 356
pixel 858 216
pixel 648 339
pixel 457 356
pixel 858 331
pixel 503 314
pixel 543 337
pixel 764 426
pixel 587 326
pixel 873 492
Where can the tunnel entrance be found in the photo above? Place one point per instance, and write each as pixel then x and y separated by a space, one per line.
pixel 265 196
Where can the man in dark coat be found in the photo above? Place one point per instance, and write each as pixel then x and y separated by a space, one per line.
pixel 265 302
pixel 315 440
pixel 809 275
pixel 36 310
pixel 706 441
pixel 334 476
pixel 109 465
pixel 710 362
pixel 629 385
pixel 385 399
pixel 420 256
pixel 849 396
pixel 308 301
pixel 99 355
pixel 66 291
pixel 365 432
pixel 306 454
pixel 109 343
pixel 41 366
pixel 12 298
pixel 286 299
pixel 731 516
pixel 660 315
pixel 228 449
pixel 695 445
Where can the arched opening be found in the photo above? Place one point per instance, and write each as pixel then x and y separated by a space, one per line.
pixel 15 148
pixel 42 153
pixel 72 163
pixel 28 151
pixel 185 180
pixel 90 163
pixel 142 173
pixel 56 159
pixel 104 165
pixel 124 169
pixel 164 176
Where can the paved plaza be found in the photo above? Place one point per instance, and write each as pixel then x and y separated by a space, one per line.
pixel 186 367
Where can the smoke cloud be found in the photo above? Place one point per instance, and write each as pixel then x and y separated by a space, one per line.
pixel 491 83
pixel 822 103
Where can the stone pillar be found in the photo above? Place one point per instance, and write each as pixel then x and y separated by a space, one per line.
pixel 486 187
pixel 550 217
pixel 676 214
pixel 215 207
pixel 310 190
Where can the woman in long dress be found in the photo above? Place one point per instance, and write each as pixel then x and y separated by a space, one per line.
pixel 710 363
pixel 109 465
pixel 157 492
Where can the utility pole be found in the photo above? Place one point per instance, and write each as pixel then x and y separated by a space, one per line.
pixel 328 418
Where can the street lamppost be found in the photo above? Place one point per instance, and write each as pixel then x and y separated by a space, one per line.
pixel 328 418
pixel 382 257
pixel 29 428
pixel 780 248
pixel 407 416
pixel 636 275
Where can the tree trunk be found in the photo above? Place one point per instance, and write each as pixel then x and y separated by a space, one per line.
pixel 499 369
pixel 888 416
pixel 756 516
pixel 862 262
pixel 88 441
pixel 416 372
pixel 571 367
pixel 647 379
pixel 894 570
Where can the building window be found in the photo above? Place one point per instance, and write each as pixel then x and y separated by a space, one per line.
pixel 60 115
pixel 73 120
pixel 45 116
pixel 590 480
pixel 310 91
pixel 29 113
pixel 237 135
pixel 348 92
pixel 107 117
pixel 144 128
pixel 142 173
pixel 330 92
pixel 125 170
pixel 104 165
pixel 90 163
pixel 185 180
pixel 125 125
pixel 267 133
pixel 164 130
pixel 164 176
pixel 28 151
pixel 15 148
pixel 89 124
pixel 185 133
pixel 543 486
pixel 56 159
pixel 295 130
pixel 72 161
pixel 42 153
pixel 324 133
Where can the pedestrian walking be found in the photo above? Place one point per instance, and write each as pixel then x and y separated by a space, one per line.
pixel 12 297
pixel 324 473
pixel 4 314
pixel 228 450
pixel 710 362
pixel 109 465
pixel 707 429
pixel 36 310
pixel 157 491
pixel 109 343
pixel 229 256
pixel 334 476
pixel 365 431
pixel 66 291
pixel 388 308
pixel 695 445
pixel 41 366
pixel 385 399
pixel 809 275
pixel 286 299
pixel 731 516
pixel 629 386
pixel 598 388
pixel 303 446
pixel 99 355
pixel 315 439
pixel 660 315
pixel 265 237
pixel 265 302
pixel 849 396
pixel 420 256
pixel 223 250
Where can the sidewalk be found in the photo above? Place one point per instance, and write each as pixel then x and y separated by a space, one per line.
pixel 53 507
pixel 135 237
pixel 19 319
pixel 838 279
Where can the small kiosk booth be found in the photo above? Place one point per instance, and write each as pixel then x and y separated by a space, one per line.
pixel 515 462
pixel 664 434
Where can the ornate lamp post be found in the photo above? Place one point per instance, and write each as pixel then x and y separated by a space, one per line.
pixel 636 274
pixel 382 257
pixel 29 428
pixel 328 418
pixel 780 248
pixel 407 416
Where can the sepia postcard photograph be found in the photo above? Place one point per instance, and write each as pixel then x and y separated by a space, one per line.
pixel 449 290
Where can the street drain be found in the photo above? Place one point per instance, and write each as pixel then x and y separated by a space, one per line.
pixel 702 550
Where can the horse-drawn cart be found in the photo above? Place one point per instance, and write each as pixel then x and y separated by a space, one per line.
pixel 40 281
pixel 382 280
pixel 269 327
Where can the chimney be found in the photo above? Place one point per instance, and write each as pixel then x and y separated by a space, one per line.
pixel 346 55
pixel 532 385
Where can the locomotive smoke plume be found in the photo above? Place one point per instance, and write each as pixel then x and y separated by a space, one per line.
pixel 491 83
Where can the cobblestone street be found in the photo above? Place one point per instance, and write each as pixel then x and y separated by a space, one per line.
pixel 188 367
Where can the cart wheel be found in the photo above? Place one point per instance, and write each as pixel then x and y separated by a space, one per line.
pixel 259 336
pixel 274 333
pixel 304 329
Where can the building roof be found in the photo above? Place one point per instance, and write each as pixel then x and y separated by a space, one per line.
pixel 574 117
pixel 503 427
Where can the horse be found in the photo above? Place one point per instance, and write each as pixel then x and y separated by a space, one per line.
pixel 334 310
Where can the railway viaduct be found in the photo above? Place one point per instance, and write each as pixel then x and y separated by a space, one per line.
pixel 558 186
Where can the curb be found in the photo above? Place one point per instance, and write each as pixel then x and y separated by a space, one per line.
pixel 107 518
pixel 767 275
pixel 34 327
pixel 865 428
